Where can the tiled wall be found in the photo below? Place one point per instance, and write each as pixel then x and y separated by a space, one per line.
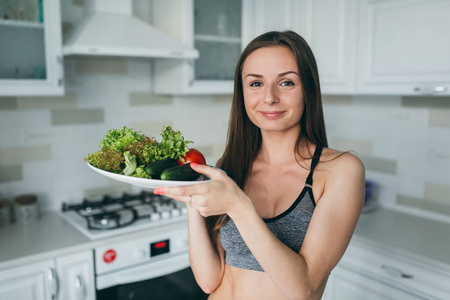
pixel 404 143
pixel 44 139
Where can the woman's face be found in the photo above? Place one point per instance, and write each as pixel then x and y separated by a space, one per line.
pixel 273 92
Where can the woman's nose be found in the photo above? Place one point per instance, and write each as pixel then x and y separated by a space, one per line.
pixel 271 95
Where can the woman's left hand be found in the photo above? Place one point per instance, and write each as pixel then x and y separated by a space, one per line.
pixel 219 196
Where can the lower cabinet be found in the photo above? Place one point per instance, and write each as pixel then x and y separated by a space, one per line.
pixel 351 285
pixel 372 274
pixel 69 277
pixel 29 282
pixel 76 276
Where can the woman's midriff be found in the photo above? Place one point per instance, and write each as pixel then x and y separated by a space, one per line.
pixel 247 285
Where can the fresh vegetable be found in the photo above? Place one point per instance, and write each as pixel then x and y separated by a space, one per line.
pixel 124 151
pixel 173 144
pixel 146 150
pixel 155 169
pixel 180 173
pixel 139 172
pixel 107 159
pixel 130 163
pixel 119 138
pixel 192 156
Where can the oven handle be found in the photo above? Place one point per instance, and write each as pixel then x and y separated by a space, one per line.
pixel 143 272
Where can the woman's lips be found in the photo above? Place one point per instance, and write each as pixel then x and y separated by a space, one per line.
pixel 272 114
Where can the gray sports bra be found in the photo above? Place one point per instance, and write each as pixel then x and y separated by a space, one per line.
pixel 289 227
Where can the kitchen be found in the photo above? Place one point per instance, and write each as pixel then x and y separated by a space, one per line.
pixel 397 121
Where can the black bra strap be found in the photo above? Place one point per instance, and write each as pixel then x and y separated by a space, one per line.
pixel 314 162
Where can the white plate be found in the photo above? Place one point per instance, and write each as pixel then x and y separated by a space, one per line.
pixel 144 182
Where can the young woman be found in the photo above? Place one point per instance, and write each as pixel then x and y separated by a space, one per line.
pixel 280 220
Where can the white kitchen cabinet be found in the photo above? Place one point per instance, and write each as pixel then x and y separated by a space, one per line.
pixel 369 273
pixel 332 32
pixel 329 27
pixel 213 28
pixel 404 47
pixel 76 276
pixel 29 282
pixel 350 285
pixel 69 277
pixel 30 52
pixel 260 16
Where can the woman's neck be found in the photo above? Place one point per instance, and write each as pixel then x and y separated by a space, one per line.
pixel 279 148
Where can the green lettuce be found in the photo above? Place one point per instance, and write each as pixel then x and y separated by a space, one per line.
pixel 130 163
pixel 173 144
pixel 139 172
pixel 119 138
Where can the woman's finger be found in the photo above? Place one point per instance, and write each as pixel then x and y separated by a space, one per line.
pixel 211 172
pixel 181 191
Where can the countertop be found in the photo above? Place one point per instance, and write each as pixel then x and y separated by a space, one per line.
pixel 53 236
pixel 422 239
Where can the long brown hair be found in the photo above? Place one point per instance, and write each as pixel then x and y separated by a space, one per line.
pixel 244 138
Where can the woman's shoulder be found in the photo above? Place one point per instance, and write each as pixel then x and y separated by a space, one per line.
pixel 341 162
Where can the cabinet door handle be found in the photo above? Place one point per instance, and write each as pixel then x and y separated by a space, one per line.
pixel 396 272
pixel 53 283
pixel 430 90
pixel 80 288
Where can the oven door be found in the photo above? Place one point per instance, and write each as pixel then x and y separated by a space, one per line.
pixel 167 279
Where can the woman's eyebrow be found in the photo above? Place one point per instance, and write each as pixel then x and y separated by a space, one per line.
pixel 279 75
pixel 288 72
pixel 254 75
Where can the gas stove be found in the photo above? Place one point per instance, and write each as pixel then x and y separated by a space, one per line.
pixel 112 215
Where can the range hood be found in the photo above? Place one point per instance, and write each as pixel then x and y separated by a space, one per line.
pixel 110 29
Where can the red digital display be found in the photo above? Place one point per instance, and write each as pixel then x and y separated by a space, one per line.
pixel 159 248
pixel 160 245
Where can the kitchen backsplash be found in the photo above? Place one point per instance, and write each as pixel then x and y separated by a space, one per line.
pixel 403 141
pixel 44 139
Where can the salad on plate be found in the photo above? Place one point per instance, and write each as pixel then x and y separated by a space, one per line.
pixel 133 157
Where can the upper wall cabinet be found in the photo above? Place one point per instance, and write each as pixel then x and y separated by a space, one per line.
pixel 332 34
pixel 214 28
pixel 30 51
pixel 260 16
pixel 404 47
pixel 329 27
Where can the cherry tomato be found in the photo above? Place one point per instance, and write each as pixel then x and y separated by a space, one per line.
pixel 193 156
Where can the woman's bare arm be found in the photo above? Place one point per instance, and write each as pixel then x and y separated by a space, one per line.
pixel 206 259
pixel 298 275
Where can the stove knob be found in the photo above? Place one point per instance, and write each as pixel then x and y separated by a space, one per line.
pixel 155 216
pixel 165 214
pixel 140 254
pixel 175 212
pixel 181 244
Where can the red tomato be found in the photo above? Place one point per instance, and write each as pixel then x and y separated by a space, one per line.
pixel 193 156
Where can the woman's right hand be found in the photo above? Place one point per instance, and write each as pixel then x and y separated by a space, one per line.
pixel 219 196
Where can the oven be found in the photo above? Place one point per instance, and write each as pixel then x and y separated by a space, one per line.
pixel 150 266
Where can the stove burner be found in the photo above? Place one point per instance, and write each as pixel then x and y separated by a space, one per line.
pixel 111 220
pixel 115 212
pixel 88 211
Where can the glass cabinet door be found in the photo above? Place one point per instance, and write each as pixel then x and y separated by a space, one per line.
pixel 30 43
pixel 214 28
pixel 217 37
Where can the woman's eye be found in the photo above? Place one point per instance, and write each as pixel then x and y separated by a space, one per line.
pixel 287 83
pixel 256 84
